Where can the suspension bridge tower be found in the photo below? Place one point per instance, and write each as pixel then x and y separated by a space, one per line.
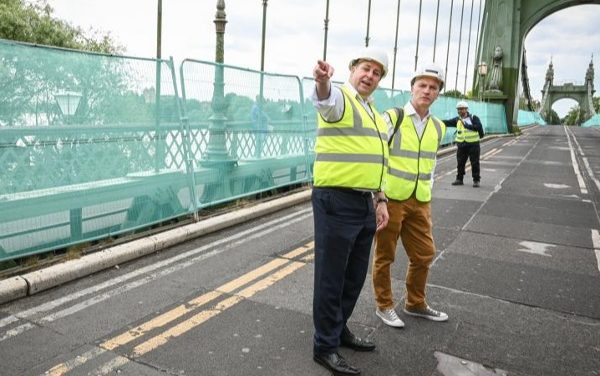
pixel 582 94
pixel 505 25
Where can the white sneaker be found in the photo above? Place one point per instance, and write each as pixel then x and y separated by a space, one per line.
pixel 427 313
pixel 390 317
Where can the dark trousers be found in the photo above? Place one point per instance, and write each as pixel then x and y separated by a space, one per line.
pixel 470 151
pixel 344 229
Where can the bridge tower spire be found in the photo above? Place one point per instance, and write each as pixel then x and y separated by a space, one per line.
pixel 582 94
pixel 545 106
pixel 589 83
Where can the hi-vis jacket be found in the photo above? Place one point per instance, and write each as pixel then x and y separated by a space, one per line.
pixel 412 159
pixel 472 133
pixel 465 135
pixel 352 152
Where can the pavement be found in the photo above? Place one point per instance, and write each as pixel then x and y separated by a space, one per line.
pixel 34 282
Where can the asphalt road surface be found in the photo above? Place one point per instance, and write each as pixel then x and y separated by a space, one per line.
pixel 517 270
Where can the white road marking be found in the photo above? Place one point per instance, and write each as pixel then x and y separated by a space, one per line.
pixel 121 289
pixel 596 242
pixel 582 185
pixel 67 366
pixel 556 186
pixel 586 163
pixel 284 221
pixel 535 248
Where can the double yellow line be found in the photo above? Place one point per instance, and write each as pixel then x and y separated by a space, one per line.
pixel 285 265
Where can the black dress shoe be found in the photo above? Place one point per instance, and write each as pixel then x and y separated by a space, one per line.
pixel 355 343
pixel 336 364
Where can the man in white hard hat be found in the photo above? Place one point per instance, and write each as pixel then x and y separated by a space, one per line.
pixel 349 173
pixel 468 133
pixel 415 135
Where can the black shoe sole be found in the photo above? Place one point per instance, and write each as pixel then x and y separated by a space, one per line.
pixel 334 372
pixel 358 348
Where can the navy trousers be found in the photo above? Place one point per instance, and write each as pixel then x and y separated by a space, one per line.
pixel 344 228
pixel 471 152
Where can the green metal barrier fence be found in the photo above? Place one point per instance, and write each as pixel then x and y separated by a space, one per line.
pixel 88 147
pixel 492 115
pixel 93 145
pixel 525 118
pixel 247 130
pixel 594 121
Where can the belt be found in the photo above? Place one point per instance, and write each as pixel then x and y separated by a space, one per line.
pixel 349 190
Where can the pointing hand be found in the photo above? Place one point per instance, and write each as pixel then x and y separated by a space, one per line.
pixel 322 71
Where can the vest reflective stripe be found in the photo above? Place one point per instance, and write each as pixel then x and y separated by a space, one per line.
pixel 412 159
pixel 337 157
pixel 408 176
pixel 465 135
pixel 351 152
pixel 412 154
pixel 350 132
pixel 393 114
pixel 440 128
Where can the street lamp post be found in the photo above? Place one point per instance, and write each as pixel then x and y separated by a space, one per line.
pixel 264 29
pixel 262 51
pixel 216 153
pixel 368 24
pixel 68 102
pixel 326 28
pixel 395 46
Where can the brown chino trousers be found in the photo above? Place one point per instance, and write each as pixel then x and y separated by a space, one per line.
pixel 411 221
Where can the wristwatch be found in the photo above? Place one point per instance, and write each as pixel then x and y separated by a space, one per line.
pixel 382 199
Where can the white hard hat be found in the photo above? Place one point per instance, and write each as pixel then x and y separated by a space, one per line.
pixel 462 104
pixel 372 54
pixel 430 70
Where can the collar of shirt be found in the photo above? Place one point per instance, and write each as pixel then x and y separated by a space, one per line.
pixel 364 102
pixel 410 110
pixel 467 119
pixel 351 88
pixel 417 121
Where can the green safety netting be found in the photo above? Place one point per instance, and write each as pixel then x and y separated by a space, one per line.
pixel 594 121
pixel 492 115
pixel 93 145
pixel 87 147
pixel 525 118
pixel 247 135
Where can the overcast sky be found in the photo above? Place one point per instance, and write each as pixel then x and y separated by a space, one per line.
pixel 295 30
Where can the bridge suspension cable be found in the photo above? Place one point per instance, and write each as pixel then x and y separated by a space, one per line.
pixel 418 34
pixel 437 17
pixel 525 81
pixel 462 13
pixel 449 35
pixel 468 48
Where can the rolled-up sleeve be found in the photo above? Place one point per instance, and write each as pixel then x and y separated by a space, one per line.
pixel 332 108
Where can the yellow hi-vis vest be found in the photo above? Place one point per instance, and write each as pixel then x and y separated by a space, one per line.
pixel 465 135
pixel 412 159
pixel 351 152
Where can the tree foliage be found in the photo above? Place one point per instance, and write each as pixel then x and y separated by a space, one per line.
pixel 33 22
pixel 31 76
pixel 553 118
pixel 454 94
pixel 575 116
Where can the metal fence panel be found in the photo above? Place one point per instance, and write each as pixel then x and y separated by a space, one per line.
pixel 90 146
